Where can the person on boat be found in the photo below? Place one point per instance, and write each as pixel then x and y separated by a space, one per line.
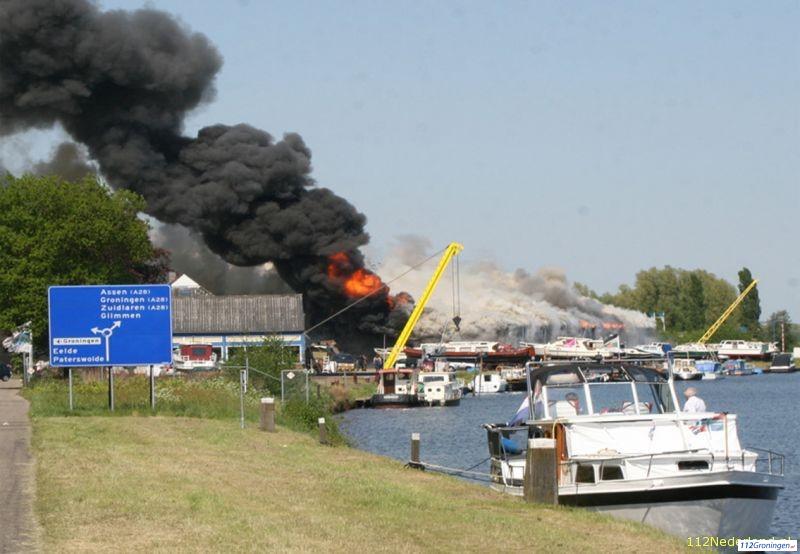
pixel 573 399
pixel 693 402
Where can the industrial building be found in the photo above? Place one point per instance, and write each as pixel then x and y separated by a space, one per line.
pixel 228 322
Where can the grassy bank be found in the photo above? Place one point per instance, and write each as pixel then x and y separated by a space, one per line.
pixel 210 397
pixel 195 485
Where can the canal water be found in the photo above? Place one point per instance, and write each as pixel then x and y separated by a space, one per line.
pixel 767 407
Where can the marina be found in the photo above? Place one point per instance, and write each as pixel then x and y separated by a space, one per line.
pixel 455 437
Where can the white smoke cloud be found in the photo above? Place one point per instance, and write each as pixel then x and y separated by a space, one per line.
pixel 509 306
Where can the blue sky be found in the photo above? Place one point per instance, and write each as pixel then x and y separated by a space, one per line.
pixel 601 137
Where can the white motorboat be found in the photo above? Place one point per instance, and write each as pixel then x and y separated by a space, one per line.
pixel 569 348
pixel 516 377
pixel 742 349
pixel 658 349
pixel 624 447
pixel 488 382
pixel 696 350
pixel 684 369
pixel 440 388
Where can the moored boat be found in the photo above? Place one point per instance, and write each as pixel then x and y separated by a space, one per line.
pixel 710 369
pixel 569 348
pixel 488 382
pixel 695 350
pixel 782 363
pixel 624 447
pixel 684 369
pixel 743 350
pixel 397 388
pixel 439 388
pixel 487 354
pixel 515 377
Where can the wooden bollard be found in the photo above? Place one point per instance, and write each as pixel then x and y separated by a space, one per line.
pixel 540 479
pixel 267 415
pixel 414 462
pixel 323 432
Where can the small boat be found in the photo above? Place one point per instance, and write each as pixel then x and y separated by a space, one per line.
pixel 488 382
pixel 569 348
pixel 684 370
pixel 739 368
pixel 489 354
pixel 515 377
pixel 440 388
pixel 695 350
pixel 624 447
pixel 658 349
pixel 782 363
pixel 397 388
pixel 710 369
pixel 743 350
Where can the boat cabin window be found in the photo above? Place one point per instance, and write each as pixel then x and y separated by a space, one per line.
pixel 611 473
pixel 432 378
pixel 584 473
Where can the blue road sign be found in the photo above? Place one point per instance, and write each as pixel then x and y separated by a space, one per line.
pixel 102 325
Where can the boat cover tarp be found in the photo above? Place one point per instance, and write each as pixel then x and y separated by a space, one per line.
pixel 647 437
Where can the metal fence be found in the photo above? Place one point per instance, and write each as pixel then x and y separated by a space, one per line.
pixel 295 383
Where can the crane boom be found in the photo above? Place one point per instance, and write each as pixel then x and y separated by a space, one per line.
pixel 453 249
pixel 726 314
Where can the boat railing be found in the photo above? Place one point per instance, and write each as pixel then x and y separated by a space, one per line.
pixel 772 462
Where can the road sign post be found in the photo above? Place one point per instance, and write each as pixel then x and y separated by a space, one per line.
pixel 110 325
pixel 111 388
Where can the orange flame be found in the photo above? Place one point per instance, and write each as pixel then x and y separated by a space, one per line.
pixel 356 283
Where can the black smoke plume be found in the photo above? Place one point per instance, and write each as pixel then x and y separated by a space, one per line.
pixel 121 83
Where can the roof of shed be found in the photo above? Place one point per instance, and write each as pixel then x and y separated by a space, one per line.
pixel 263 313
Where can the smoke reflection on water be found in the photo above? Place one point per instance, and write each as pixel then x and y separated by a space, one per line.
pixel 453 437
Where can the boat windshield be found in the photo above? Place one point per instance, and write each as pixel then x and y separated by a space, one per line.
pixel 595 389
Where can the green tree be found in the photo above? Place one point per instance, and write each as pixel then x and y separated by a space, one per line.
pixel 266 360
pixel 691 305
pixel 779 325
pixel 751 305
pixel 56 232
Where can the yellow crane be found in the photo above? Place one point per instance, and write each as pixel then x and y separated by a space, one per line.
pixel 449 252
pixel 726 314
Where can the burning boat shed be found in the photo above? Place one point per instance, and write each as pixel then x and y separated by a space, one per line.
pixel 228 322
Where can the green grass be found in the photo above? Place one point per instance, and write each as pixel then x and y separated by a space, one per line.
pixel 213 397
pixel 170 484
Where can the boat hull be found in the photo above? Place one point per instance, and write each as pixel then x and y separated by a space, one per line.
pixel 790 369
pixel 720 516
pixel 732 504
pixel 680 376
pixel 394 400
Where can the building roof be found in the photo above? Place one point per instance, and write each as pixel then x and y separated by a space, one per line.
pixel 184 281
pixel 262 313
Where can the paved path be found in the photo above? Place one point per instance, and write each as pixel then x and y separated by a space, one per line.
pixel 16 471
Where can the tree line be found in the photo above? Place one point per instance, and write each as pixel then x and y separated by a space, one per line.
pixel 57 232
pixel 692 300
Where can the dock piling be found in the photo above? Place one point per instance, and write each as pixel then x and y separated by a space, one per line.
pixel 541 470
pixel 414 462
pixel 323 432
pixel 267 422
